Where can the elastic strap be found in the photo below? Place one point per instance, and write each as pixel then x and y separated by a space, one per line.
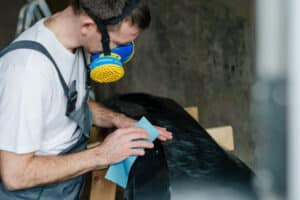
pixel 103 29
pixel 126 11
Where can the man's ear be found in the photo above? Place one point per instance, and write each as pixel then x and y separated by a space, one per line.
pixel 87 25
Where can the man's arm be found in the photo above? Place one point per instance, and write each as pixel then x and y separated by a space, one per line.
pixel 104 117
pixel 21 171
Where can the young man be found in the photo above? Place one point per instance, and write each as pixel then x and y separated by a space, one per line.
pixel 42 136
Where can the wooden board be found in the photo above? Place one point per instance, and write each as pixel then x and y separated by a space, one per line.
pixel 193 111
pixel 102 188
pixel 223 136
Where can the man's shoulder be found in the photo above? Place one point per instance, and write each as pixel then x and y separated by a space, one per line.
pixel 27 69
pixel 24 56
pixel 26 59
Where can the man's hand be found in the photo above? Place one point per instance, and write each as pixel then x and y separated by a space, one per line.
pixel 122 143
pixel 121 121
pixel 103 117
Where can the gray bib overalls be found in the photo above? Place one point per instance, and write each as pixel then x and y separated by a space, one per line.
pixel 70 189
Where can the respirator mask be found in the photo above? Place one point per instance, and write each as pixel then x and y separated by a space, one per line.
pixel 107 66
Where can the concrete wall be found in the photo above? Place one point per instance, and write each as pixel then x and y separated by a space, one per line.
pixel 9 11
pixel 197 52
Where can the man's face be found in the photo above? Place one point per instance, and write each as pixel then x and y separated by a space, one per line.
pixel 121 35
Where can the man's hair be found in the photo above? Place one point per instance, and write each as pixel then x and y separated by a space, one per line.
pixel 106 9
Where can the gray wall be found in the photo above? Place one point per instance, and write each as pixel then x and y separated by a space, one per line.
pixel 199 53
pixel 9 11
pixel 196 52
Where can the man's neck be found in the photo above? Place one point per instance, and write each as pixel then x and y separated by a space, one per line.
pixel 65 26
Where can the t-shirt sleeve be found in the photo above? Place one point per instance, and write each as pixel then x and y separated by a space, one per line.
pixel 23 100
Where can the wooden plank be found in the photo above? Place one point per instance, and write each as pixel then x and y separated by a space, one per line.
pixel 95 136
pixel 193 111
pixel 223 136
pixel 102 188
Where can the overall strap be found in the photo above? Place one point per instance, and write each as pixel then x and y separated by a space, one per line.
pixel 27 44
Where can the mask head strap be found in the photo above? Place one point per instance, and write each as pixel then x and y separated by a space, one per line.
pixel 128 8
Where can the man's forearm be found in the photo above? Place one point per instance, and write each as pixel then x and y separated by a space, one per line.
pixel 102 117
pixel 40 170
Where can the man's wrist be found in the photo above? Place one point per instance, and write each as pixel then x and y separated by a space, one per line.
pixel 99 157
pixel 117 119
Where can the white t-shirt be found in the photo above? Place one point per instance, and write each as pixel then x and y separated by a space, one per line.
pixel 32 100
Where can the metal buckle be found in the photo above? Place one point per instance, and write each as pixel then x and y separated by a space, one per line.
pixel 71 105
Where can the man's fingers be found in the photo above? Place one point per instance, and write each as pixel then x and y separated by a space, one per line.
pixel 162 138
pixel 134 133
pixel 138 152
pixel 137 136
pixel 164 133
pixel 142 144
pixel 124 131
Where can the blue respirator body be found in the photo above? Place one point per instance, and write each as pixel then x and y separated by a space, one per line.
pixel 109 68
